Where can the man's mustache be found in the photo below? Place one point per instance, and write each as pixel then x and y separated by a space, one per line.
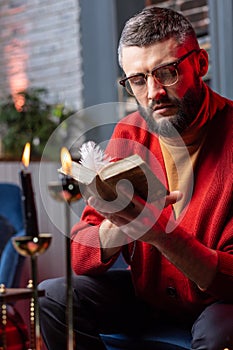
pixel 163 101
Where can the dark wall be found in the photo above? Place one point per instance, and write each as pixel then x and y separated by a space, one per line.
pixel 98 38
pixel 101 23
pixel 125 9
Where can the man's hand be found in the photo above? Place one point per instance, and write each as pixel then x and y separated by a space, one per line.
pixel 135 219
pixel 111 239
pixel 140 221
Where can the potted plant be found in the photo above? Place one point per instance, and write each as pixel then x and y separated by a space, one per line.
pixel 33 120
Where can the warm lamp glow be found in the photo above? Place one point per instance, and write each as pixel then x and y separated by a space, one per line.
pixel 17 60
pixel 19 101
pixel 66 161
pixel 26 155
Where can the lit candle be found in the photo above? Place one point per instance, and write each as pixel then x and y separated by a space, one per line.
pixel 31 225
pixel 71 190
pixel 66 161
pixel 68 188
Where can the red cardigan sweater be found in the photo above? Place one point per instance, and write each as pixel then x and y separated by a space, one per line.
pixel 208 217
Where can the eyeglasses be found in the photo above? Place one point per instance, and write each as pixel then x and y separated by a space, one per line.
pixel 165 74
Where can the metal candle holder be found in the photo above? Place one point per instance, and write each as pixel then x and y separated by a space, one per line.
pixel 32 247
pixel 67 191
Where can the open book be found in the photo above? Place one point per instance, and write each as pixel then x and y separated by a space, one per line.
pixel 104 182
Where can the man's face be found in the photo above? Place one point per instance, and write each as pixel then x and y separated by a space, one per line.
pixel 166 108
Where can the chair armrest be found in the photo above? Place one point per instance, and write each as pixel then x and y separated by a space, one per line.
pixel 11 264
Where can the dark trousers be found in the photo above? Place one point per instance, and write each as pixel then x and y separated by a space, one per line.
pixel 107 304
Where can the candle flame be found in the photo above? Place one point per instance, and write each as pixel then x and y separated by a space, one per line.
pixel 66 161
pixel 26 155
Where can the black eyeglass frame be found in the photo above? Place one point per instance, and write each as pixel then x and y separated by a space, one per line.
pixel 175 64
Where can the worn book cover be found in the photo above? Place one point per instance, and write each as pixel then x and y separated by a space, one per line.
pixel 104 181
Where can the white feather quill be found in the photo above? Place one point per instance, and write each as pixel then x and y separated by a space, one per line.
pixel 92 156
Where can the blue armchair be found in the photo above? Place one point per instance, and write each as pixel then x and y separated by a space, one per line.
pixel 11 262
pixel 164 337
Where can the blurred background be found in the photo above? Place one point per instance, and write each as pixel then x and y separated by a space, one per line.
pixel 69 47
pixel 60 57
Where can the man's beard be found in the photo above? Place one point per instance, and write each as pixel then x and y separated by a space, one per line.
pixel 179 122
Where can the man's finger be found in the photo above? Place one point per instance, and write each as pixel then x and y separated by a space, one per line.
pixel 173 197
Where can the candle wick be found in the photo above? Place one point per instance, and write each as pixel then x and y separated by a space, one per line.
pixel 23 166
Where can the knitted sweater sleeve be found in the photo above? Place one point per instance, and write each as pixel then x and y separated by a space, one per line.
pixel 85 245
pixel 222 284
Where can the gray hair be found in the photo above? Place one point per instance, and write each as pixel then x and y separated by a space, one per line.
pixel 155 24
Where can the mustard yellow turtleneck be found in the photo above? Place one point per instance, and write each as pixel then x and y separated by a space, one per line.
pixel 181 154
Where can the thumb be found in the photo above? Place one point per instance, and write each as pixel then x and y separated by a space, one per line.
pixel 173 197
